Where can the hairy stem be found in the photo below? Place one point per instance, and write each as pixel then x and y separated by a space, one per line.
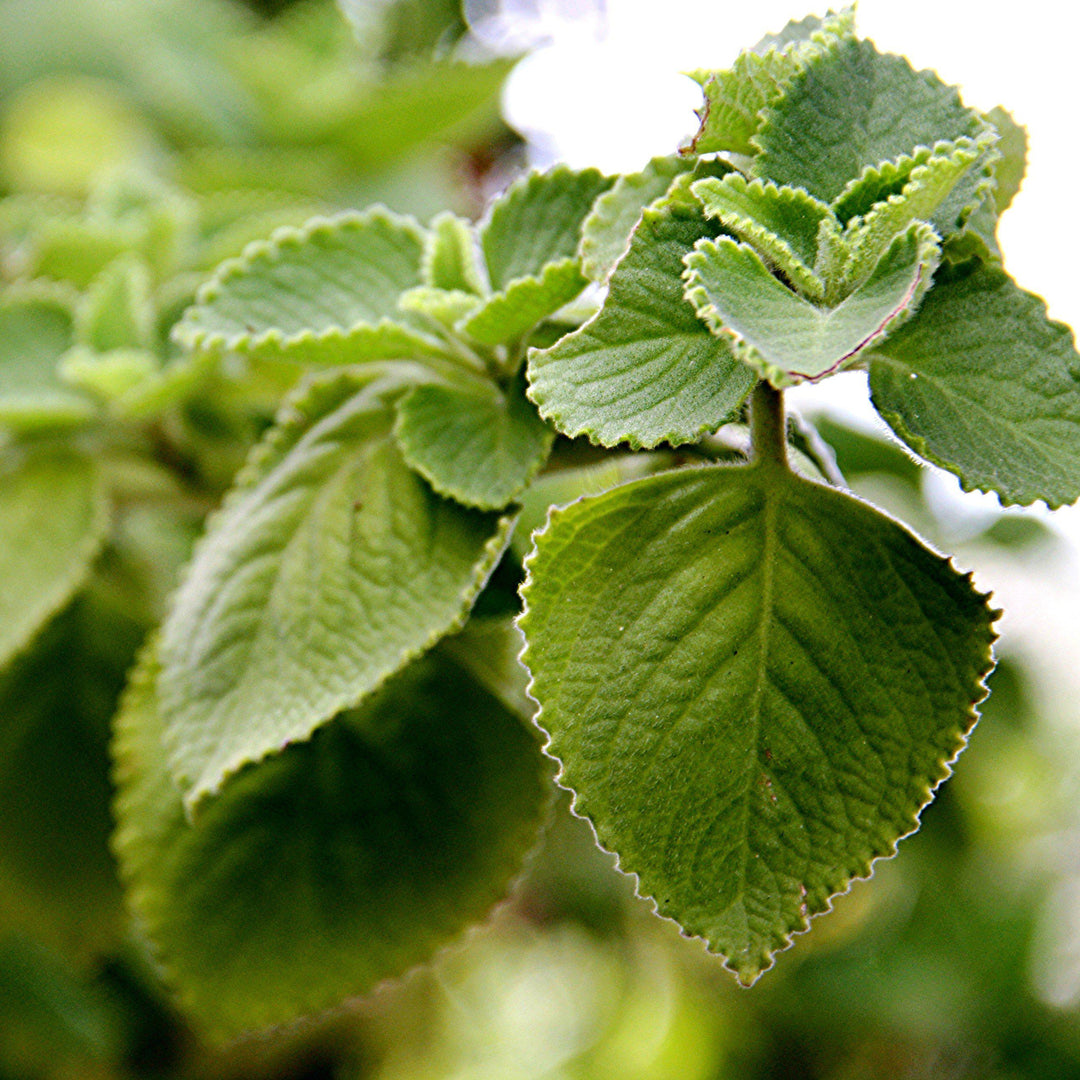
pixel 768 435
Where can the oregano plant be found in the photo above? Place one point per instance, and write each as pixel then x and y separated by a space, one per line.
pixel 521 505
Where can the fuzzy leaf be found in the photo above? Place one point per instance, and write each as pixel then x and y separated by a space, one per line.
pixel 118 312
pixel 450 259
pixel 753 684
pixel 605 233
pixel 782 224
pixel 509 314
pixel 788 338
pixel 54 517
pixel 327 293
pixel 336 864
pixel 331 565
pixel 537 221
pixel 1010 167
pixel 853 107
pixel 36 329
pixel 734 99
pixel 982 383
pixel 472 442
pixel 644 369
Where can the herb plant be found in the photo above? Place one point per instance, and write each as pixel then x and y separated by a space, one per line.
pixel 327 760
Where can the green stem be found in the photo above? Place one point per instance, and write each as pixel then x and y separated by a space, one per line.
pixel 768 430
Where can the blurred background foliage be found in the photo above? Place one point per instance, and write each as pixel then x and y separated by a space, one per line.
pixel 142 142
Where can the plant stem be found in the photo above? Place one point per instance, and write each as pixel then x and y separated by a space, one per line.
pixel 768 434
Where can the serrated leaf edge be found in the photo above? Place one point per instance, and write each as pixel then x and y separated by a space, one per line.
pixel 785 939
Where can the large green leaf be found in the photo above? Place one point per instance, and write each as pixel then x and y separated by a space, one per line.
pixel 54 516
pixel 785 336
pixel 36 329
pixel 853 107
pixel 645 369
pixel 331 565
pixel 982 383
pixel 472 441
pixel 537 221
pixel 326 293
pixel 753 684
pixel 338 863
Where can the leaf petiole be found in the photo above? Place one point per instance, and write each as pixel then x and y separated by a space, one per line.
pixel 768 439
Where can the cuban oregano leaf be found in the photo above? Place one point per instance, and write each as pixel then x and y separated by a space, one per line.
pixel 605 233
pixel 781 224
pixel 982 383
pixel 54 516
pixel 117 311
pixel 1010 167
pixel 472 441
pixel 537 221
pixel 644 369
pixel 36 329
pixel 451 256
pixel 789 339
pixel 327 293
pixel 735 98
pixel 336 864
pixel 330 566
pixel 753 684
pixel 509 314
pixel 852 107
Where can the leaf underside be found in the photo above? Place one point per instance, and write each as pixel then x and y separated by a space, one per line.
pixel 753 684
pixel 338 863
pixel 331 565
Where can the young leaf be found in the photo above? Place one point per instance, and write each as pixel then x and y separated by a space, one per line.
pixel 327 293
pixel 473 442
pixel 644 369
pixel 338 863
pixel 788 338
pixel 509 314
pixel 1010 167
pixel 54 517
pixel 982 383
pixel 537 221
pixel 605 233
pixel 753 684
pixel 734 99
pixel 450 256
pixel 782 224
pixel 853 107
pixel 36 329
pixel 331 566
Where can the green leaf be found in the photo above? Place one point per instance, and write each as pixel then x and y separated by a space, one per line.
pixel 36 329
pixel 982 383
pixel 1010 167
pixel 450 259
pixel 734 99
pixel 510 314
pixel 336 864
pixel 537 221
pixel 57 879
pixel 853 107
pixel 54 517
pixel 111 376
pixel 753 684
pixel 605 233
pixel 445 306
pixel 644 370
pixel 330 567
pixel 925 191
pixel 327 293
pixel 787 338
pixel 117 311
pixel 473 442
pixel 781 224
